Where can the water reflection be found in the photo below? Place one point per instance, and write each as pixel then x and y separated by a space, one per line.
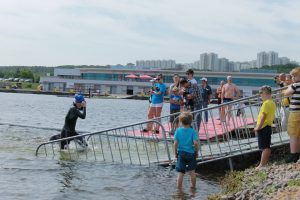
pixel 180 194
pixel 68 173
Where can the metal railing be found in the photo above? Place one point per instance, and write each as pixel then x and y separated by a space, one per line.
pixel 127 145
pixel 226 134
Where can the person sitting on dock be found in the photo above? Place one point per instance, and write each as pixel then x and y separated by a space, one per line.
pixel 70 123
pixel 186 149
pixel 263 127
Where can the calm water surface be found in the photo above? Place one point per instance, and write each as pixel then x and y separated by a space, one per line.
pixel 24 176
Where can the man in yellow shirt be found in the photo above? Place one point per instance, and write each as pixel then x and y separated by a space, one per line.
pixel 263 126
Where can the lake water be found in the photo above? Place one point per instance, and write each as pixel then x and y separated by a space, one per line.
pixel 24 176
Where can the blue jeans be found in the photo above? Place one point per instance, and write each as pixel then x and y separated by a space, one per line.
pixel 205 104
pixel 198 115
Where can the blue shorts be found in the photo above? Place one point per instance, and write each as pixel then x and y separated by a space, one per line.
pixel 186 162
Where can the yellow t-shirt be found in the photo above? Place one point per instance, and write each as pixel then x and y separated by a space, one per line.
pixel 268 107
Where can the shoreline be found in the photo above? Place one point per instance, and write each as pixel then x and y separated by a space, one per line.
pixel 275 181
pixel 101 96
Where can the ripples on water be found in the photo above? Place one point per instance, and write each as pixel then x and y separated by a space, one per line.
pixel 23 176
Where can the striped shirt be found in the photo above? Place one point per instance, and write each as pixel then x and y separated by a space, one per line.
pixel 295 99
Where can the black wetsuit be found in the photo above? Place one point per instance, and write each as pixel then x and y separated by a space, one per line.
pixel 70 124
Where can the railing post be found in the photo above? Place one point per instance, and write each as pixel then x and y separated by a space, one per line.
pixel 230 164
pixel 165 140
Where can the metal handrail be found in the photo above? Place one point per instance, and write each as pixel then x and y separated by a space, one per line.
pixel 217 140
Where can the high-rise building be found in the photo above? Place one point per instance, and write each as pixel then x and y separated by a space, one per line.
pixel 223 65
pixel 213 62
pixel 284 60
pixel 262 59
pixel 253 63
pixel 237 66
pixel 209 61
pixel 272 58
pixel 204 61
pixel 230 66
pixel 158 64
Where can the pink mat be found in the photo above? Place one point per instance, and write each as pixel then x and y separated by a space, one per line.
pixel 213 128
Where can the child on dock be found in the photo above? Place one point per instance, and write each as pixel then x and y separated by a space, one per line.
pixel 263 126
pixel 186 149
pixel 175 103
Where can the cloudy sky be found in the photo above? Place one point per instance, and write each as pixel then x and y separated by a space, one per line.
pixel 91 32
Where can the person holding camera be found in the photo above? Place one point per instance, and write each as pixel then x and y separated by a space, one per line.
pixel 70 123
pixel 192 98
pixel 157 97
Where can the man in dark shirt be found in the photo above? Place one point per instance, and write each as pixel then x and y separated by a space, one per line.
pixel 70 122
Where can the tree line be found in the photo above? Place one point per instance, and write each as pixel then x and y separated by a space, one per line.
pixel 35 72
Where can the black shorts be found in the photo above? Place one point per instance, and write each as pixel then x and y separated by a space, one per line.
pixel 264 137
pixel 219 100
pixel 173 117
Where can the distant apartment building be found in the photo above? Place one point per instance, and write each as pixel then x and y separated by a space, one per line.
pixel 231 66
pixel 209 61
pixel 156 64
pixel 273 58
pixel 213 62
pixel 267 58
pixel 237 66
pixel 204 61
pixel 262 59
pixel 284 60
pixel 253 63
pixel 223 65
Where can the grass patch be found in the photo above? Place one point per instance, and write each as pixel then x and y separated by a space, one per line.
pixel 269 190
pixel 295 182
pixel 214 197
pixel 257 179
pixel 232 182
pixel 24 85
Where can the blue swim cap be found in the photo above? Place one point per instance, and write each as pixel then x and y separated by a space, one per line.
pixel 79 98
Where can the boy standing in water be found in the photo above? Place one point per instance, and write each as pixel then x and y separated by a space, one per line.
pixel 263 126
pixel 186 149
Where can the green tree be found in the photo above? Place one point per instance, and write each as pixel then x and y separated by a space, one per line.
pixel 26 73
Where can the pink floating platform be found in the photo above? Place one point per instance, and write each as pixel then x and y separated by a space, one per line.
pixel 211 129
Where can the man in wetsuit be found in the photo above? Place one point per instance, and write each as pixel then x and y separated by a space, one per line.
pixel 70 122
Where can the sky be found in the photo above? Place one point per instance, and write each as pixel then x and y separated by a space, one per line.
pixel 101 32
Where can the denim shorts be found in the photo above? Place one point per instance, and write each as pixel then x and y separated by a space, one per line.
pixel 186 162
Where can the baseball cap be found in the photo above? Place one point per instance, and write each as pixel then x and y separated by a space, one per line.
pixel 204 79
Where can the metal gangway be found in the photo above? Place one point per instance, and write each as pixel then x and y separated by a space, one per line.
pixel 223 136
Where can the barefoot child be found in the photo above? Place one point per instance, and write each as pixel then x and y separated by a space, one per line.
pixel 186 149
pixel 263 126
